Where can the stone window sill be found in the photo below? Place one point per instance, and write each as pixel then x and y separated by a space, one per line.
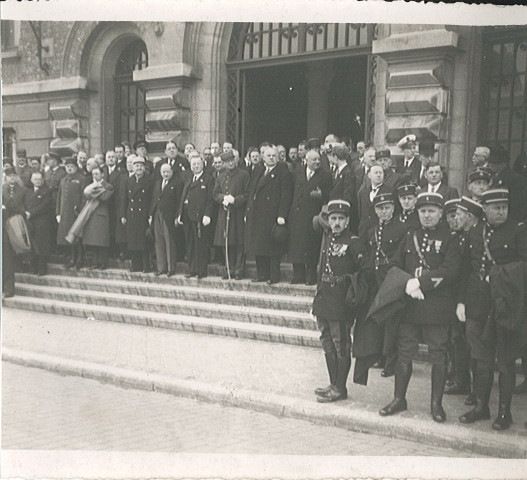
pixel 11 53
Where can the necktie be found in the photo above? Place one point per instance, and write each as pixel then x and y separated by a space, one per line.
pixel 164 185
pixel 267 170
pixel 406 163
pixel 309 174
pixel 195 178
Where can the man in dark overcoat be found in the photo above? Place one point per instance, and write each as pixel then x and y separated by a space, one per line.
pixel 342 255
pixel 52 177
pixel 120 200
pixel 195 210
pixel 505 177
pixel 177 160
pixel 70 200
pixel 230 194
pixel 269 204
pixel 431 254
pixel 134 214
pixel 163 213
pixel 14 198
pixel 496 245
pixel 39 217
pixel 311 191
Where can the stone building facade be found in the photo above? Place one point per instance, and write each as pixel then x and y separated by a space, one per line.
pixel 90 85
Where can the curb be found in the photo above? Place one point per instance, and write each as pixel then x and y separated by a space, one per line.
pixel 451 436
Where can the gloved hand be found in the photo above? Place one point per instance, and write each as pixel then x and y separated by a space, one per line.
pixel 280 221
pixel 412 285
pixel 206 221
pixel 460 312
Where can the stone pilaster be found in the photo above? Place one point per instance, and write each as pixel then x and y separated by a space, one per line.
pixel 168 104
pixel 419 82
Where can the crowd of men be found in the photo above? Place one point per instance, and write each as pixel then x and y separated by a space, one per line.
pixel 349 221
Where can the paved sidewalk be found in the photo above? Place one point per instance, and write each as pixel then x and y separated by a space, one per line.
pixel 43 410
pixel 262 376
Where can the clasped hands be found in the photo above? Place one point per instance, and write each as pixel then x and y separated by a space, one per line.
pixel 228 200
pixel 413 289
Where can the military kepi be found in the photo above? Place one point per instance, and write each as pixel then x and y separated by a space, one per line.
pixel 495 195
pixel 451 205
pixel 470 206
pixel 227 156
pixel 382 198
pixel 339 206
pixel 480 174
pixel 427 198
pixel 410 189
pixel 70 161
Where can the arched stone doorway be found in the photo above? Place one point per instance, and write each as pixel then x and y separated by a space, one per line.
pixel 291 81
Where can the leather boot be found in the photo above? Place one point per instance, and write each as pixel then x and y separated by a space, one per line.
pixel 504 419
pixel 439 373
pixel 338 391
pixel 482 386
pixel 403 372
pixel 461 383
pixel 331 363
pixel 471 397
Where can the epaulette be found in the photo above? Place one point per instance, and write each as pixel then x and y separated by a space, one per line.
pixel 520 224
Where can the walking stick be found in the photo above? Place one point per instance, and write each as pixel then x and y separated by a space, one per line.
pixel 227 242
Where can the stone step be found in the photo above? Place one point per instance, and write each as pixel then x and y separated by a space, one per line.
pixel 237 313
pixel 208 282
pixel 214 269
pixel 214 326
pixel 277 301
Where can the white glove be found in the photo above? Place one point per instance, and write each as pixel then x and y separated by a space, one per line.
pixel 280 221
pixel 149 220
pixel 206 221
pixel 178 221
pixel 123 221
pixel 412 285
pixel 417 294
pixel 58 218
pixel 229 199
pixel 460 312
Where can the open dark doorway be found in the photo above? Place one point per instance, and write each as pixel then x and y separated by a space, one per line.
pixel 282 104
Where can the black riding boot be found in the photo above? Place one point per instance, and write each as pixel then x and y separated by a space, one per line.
pixel 331 363
pixel 461 384
pixel 338 391
pixel 482 386
pixel 403 372
pixel 504 419
pixel 438 387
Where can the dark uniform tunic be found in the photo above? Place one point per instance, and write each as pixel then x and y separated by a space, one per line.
pixel 436 262
pixel 341 255
pixel 506 243
pixel 410 218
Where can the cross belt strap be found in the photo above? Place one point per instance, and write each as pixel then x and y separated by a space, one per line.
pixel 418 250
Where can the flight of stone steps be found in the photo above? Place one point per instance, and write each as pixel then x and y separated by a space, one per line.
pixel 274 313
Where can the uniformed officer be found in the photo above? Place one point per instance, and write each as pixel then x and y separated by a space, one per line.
pixel 342 255
pixel 383 241
pixel 407 195
pixel 490 300
pixel 433 255
pixel 478 181
pixel 467 215
pixel 450 214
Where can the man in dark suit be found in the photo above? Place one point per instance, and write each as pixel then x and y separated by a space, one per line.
pixel 39 216
pixel 410 164
pixel 251 160
pixel 432 255
pixel 392 179
pixel 134 214
pixel 165 197
pixel 344 184
pixel 177 161
pixel 269 204
pixel 311 191
pixel 195 211
pixel 435 183
pixel 22 169
pixel 52 177
pixel 505 177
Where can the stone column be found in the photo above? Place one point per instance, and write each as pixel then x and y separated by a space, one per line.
pixel 419 84
pixel 319 77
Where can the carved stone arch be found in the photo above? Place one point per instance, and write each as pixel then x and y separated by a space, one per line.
pixel 191 43
pixel 75 46
pixel 103 42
